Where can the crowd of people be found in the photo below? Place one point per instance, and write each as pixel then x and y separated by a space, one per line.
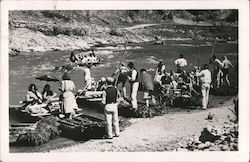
pixel 179 81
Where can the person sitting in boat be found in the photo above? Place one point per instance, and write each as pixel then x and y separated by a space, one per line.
pixel 47 93
pixel 187 80
pixel 33 96
pixel 94 58
pixel 33 102
pixel 69 101
pixel 166 82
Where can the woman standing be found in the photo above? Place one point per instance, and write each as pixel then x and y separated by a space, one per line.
pixel 69 101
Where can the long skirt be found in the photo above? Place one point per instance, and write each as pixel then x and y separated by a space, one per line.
pixel 69 102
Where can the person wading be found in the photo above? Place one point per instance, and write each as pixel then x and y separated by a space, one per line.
pixel 110 100
pixel 134 83
pixel 205 77
pixel 147 86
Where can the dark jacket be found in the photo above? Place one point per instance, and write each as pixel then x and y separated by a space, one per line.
pixel 146 82
pixel 111 95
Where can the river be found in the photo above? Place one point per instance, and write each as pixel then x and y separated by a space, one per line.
pixel 23 69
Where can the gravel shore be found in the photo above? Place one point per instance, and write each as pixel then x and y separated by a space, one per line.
pixel 162 133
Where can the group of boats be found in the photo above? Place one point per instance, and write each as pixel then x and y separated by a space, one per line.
pixel 88 115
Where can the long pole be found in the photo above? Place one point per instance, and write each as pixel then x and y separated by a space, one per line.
pixel 125 51
pixel 199 55
pixel 213 47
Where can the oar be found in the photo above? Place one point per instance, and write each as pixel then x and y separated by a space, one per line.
pixel 199 54
pixel 213 47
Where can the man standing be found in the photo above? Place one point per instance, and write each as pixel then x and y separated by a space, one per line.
pixel 180 63
pixel 122 78
pixel 205 78
pixel 134 83
pixel 217 73
pixel 147 86
pixel 109 99
pixel 225 69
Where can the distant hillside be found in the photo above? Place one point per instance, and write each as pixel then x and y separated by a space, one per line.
pixel 44 30
pixel 116 17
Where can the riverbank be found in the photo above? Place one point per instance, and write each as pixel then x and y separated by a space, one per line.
pixel 81 30
pixel 163 133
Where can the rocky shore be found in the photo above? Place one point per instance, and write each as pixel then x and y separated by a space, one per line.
pixel 31 31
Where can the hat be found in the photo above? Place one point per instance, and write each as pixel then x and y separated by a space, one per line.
pixel 103 79
pixel 110 79
pixel 183 87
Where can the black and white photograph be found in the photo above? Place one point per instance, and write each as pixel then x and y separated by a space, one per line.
pixel 131 80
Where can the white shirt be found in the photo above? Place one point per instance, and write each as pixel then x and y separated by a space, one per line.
pixel 161 70
pixel 181 62
pixel 87 75
pixel 133 76
pixel 205 76
pixel 218 64
pixel 226 64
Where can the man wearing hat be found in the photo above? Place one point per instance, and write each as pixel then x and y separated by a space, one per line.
pixel 206 79
pixel 134 82
pixel 110 100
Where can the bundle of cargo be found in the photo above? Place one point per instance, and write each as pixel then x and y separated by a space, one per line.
pixel 39 133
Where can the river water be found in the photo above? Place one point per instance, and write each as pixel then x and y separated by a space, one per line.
pixel 23 69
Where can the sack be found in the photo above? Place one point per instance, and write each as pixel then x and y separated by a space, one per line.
pixel 36 109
